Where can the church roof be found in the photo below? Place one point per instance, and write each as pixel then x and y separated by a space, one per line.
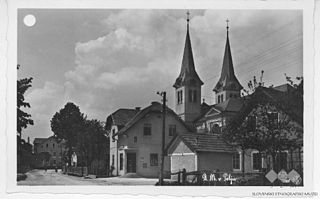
pixel 230 105
pixel 228 80
pixel 188 73
pixel 206 142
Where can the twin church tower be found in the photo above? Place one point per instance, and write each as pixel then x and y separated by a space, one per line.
pixel 188 84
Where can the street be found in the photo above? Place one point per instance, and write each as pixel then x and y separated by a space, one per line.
pixel 50 177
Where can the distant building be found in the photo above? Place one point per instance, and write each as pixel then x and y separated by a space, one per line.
pixel 49 152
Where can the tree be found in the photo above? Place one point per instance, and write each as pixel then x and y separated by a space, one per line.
pixel 92 143
pixel 23 118
pixel 258 125
pixel 68 124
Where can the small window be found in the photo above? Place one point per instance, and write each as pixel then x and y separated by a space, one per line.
pixel 113 133
pixel 41 146
pixel 273 120
pixel 53 145
pixel 236 161
pixel 153 159
pixel 190 96
pixel 180 97
pixel 251 123
pixel 112 163
pixel 172 130
pixel 54 161
pixel 256 161
pixel 47 145
pixel 54 153
pixel 147 129
pixel 121 161
pixel 219 99
pixel 135 139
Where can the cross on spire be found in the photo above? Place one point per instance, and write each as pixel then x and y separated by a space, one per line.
pixel 188 16
pixel 227 24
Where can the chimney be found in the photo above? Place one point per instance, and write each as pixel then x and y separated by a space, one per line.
pixel 138 108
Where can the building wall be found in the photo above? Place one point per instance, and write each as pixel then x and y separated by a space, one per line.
pixel 146 145
pixel 55 149
pixel 214 161
pixel 113 160
pixel 188 111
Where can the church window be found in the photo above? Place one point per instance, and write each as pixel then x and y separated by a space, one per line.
pixel 147 129
pixel 219 99
pixel 194 96
pixel 179 97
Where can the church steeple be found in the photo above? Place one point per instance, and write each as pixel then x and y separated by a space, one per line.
pixel 228 81
pixel 188 85
pixel 187 73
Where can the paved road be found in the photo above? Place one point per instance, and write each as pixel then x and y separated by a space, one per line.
pixel 40 177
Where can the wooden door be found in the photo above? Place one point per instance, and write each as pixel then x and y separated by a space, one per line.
pixel 131 163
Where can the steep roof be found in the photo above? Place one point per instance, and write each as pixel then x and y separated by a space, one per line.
pixel 206 142
pixel 123 116
pixel 155 107
pixel 188 73
pixel 228 80
pixel 230 105
pixel 39 140
pixel 287 101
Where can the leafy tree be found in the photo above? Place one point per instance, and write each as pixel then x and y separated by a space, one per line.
pixel 68 124
pixel 92 143
pixel 23 118
pixel 268 135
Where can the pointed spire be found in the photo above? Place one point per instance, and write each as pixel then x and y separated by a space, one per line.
pixel 187 72
pixel 228 80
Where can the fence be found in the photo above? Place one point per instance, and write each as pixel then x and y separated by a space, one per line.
pixel 76 171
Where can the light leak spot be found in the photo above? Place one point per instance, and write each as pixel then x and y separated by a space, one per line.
pixel 29 20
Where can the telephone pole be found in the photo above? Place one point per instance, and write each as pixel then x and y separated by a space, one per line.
pixel 164 99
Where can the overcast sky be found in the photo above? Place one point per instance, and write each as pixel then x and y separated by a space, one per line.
pixel 103 60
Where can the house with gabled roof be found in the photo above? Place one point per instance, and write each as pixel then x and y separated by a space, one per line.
pixel 200 151
pixel 136 146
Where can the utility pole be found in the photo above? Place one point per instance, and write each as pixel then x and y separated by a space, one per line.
pixel 164 99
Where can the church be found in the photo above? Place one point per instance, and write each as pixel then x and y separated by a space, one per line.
pixel 193 128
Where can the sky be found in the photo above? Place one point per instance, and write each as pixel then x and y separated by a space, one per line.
pixel 103 60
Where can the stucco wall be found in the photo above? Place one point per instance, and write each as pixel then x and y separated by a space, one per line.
pixel 146 145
